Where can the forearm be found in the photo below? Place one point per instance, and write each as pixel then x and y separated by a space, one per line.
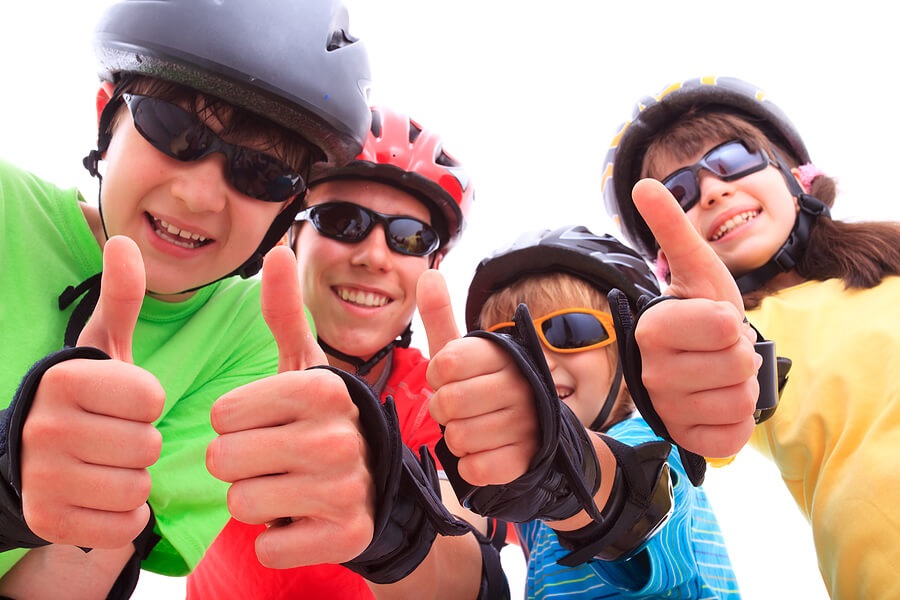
pixel 46 571
pixel 451 570
pixel 607 475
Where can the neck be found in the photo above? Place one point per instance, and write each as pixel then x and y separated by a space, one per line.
pixel 371 377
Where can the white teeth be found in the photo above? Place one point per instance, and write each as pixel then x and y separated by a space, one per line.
pixel 362 298
pixel 732 223
pixel 179 237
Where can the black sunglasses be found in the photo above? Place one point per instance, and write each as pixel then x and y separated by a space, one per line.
pixel 350 223
pixel 181 135
pixel 729 161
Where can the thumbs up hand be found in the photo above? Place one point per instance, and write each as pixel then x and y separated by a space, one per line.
pixel 699 365
pixel 481 398
pixel 89 436
pixel 291 444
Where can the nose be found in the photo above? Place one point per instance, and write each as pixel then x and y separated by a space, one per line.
pixel 713 189
pixel 202 185
pixel 373 251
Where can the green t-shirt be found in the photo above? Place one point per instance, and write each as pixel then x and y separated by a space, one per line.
pixel 198 349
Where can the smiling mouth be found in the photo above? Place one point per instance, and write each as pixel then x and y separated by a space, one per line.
pixel 565 392
pixel 733 223
pixel 361 298
pixel 174 235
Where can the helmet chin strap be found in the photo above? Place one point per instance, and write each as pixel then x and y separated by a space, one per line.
pixel 795 246
pixel 363 367
pixel 610 401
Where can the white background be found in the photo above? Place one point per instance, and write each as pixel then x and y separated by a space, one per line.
pixel 528 95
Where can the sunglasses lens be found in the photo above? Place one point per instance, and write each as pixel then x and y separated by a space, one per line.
pixel 733 160
pixel 410 236
pixel 171 130
pixel 341 221
pixel 263 177
pixel 573 330
pixel 683 186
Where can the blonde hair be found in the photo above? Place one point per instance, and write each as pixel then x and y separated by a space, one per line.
pixel 544 293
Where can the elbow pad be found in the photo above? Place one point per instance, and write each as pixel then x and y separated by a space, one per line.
pixel 408 513
pixel 14 531
pixel 564 475
pixel 639 505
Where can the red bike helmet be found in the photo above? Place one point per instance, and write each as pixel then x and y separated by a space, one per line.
pixel 399 152
pixel 622 165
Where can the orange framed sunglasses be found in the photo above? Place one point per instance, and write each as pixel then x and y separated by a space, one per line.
pixel 570 329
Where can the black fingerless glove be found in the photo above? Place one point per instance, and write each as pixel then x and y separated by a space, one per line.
pixel 409 513
pixel 771 376
pixel 14 531
pixel 564 475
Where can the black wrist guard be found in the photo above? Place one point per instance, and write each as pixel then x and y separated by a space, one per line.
pixel 494 585
pixel 639 504
pixel 409 513
pixel 14 531
pixel 564 475
pixel 127 581
pixel 630 356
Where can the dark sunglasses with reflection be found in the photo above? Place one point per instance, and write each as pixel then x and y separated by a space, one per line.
pixel 350 223
pixel 728 162
pixel 179 134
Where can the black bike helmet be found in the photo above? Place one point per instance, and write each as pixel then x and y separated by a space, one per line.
pixel 293 62
pixel 601 260
pixel 625 157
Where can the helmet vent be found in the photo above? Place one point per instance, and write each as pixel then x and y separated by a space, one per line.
pixel 414 131
pixel 340 39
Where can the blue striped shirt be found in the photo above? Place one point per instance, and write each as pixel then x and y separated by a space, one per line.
pixel 686 558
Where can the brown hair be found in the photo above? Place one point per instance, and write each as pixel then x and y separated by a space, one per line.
pixel 860 254
pixel 544 293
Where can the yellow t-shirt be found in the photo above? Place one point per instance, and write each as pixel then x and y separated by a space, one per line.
pixel 836 433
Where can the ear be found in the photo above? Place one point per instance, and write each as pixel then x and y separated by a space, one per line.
pixel 103 95
pixel 661 267
pixel 799 177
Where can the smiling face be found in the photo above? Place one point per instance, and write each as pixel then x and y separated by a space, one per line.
pixel 190 222
pixel 746 220
pixel 362 296
pixel 191 225
pixel 582 379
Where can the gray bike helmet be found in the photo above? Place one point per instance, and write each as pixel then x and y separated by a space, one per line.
pixel 292 62
pixel 601 260
pixel 622 165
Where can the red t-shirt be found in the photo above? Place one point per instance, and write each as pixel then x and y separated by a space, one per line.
pixel 230 569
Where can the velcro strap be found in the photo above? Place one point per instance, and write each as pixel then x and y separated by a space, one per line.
pixel 564 475
pixel 630 357
pixel 772 376
pixel 14 531
pixel 638 506
pixel 408 513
